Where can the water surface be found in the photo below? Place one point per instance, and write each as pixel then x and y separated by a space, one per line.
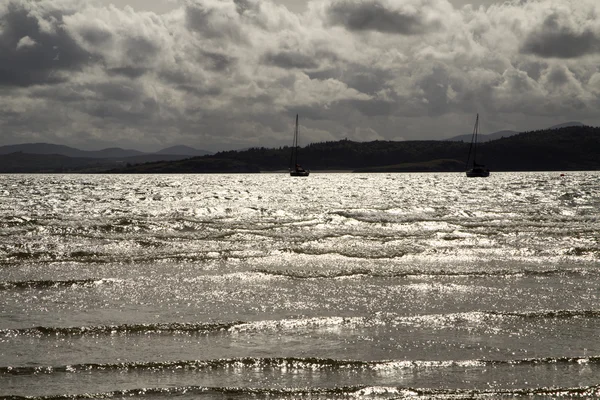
pixel 370 286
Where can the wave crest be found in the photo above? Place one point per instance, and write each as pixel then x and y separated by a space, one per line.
pixel 294 363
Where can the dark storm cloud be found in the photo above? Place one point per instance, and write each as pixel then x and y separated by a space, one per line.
pixel 434 87
pixel 200 91
pixel 117 91
pixel 197 17
pixel 554 40
pixel 533 68
pixel 365 79
pixel 173 77
pixel 186 83
pixel 32 55
pixel 243 5
pixel 375 16
pixel 95 36
pixel 558 76
pixel 59 93
pixel 140 50
pixel 372 108
pixel 217 61
pixel 130 72
pixel 119 112
pixel 290 59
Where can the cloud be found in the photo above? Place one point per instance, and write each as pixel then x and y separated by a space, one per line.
pixel 121 38
pixel 555 39
pixel 233 73
pixel 25 42
pixel 290 59
pixel 380 16
pixel 34 47
pixel 216 20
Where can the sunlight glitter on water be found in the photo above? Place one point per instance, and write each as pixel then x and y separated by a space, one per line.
pixel 420 284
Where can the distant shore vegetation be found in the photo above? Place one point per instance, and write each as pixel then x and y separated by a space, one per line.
pixel 569 148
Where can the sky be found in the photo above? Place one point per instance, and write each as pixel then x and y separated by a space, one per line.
pixel 230 74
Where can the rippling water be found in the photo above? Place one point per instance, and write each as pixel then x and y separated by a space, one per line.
pixel 335 286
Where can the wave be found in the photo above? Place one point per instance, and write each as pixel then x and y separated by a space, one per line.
pixel 552 392
pixel 550 314
pixel 299 323
pixel 294 363
pixel 10 221
pixel 190 327
pixel 43 284
pixel 17 258
pixel 173 327
pixel 352 253
pixel 361 272
pixel 334 392
pixel 201 390
pixel 384 216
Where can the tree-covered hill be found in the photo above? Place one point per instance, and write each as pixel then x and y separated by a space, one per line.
pixel 568 148
pixel 195 165
pixel 349 155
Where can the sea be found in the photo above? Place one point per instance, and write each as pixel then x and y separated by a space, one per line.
pixel 266 286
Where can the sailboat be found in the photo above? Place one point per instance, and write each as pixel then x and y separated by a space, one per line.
pixel 478 170
pixel 296 170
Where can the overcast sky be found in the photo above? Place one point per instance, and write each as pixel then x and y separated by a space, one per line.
pixel 221 74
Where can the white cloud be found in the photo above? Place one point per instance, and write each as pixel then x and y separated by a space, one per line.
pixel 25 42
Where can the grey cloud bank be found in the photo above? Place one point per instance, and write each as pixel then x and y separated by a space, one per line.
pixel 221 74
pixel 379 17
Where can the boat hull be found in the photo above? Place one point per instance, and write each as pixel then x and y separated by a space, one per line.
pixel 478 173
pixel 299 173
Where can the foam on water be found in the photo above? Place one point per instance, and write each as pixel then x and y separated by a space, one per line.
pixel 449 320
pixel 298 364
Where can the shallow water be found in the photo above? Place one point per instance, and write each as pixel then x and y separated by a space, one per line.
pixel 370 286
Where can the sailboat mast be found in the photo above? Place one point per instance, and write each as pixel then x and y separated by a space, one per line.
pixel 296 143
pixel 475 146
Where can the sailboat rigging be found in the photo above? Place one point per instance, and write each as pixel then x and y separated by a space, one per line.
pixel 297 169
pixel 478 170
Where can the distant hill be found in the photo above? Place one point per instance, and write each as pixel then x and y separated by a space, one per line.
pixel 567 125
pixel 570 148
pixel 41 148
pixel 482 138
pixel 424 166
pixel 26 162
pixel 184 150
pixel 558 149
pixel 112 152
pixel 40 163
pixel 48 148
pixel 144 158
pixel 563 149
pixel 194 165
